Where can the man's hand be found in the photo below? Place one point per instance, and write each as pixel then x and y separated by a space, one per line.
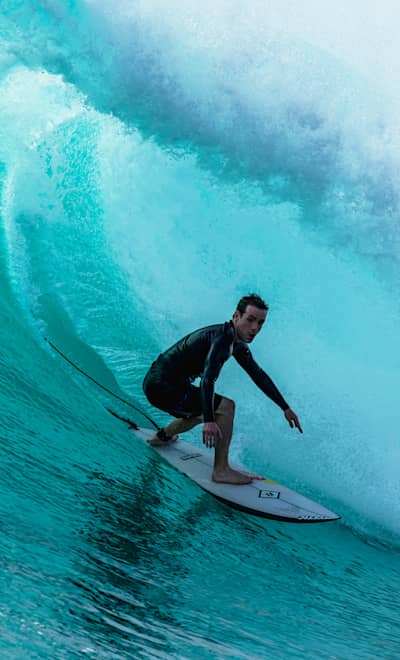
pixel 211 432
pixel 292 419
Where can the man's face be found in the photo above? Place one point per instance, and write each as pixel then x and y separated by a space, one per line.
pixel 249 324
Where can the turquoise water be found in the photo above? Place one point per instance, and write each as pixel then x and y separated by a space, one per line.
pixel 157 161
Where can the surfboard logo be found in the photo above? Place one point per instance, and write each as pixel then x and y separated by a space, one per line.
pixel 271 494
pixel 187 457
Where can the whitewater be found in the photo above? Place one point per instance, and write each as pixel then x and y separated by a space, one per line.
pixel 158 160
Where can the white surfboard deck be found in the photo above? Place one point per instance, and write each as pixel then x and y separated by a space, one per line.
pixel 262 497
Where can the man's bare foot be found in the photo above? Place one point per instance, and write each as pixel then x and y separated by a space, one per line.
pixel 229 476
pixel 260 477
pixel 155 441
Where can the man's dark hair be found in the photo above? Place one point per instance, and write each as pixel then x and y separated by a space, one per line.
pixel 251 299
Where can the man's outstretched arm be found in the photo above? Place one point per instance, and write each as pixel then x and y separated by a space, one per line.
pixel 243 356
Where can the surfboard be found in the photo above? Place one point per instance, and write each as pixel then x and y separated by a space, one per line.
pixel 262 497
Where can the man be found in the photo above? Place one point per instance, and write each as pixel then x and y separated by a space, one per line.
pixel 168 383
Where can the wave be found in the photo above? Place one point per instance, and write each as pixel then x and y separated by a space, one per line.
pixel 152 174
pixel 252 102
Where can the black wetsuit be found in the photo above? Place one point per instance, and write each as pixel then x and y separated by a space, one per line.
pixel 202 353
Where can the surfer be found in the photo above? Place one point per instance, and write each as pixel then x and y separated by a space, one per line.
pixel 168 384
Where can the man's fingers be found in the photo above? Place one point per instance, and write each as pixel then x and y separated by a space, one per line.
pixel 293 420
pixel 209 439
pixel 297 423
pixel 211 434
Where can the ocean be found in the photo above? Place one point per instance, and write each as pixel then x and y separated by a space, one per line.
pixel 158 160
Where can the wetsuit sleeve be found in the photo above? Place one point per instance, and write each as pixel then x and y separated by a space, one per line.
pixel 243 356
pixel 218 354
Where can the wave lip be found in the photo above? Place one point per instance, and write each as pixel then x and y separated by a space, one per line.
pixel 252 100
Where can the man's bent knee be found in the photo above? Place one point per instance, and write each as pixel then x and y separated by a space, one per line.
pixel 226 407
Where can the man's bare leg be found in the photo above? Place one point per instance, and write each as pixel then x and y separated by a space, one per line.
pixel 224 415
pixel 222 472
pixel 173 429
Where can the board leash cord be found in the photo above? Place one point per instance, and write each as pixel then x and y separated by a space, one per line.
pixel 131 423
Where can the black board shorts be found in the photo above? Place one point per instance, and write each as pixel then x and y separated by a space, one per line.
pixel 183 401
